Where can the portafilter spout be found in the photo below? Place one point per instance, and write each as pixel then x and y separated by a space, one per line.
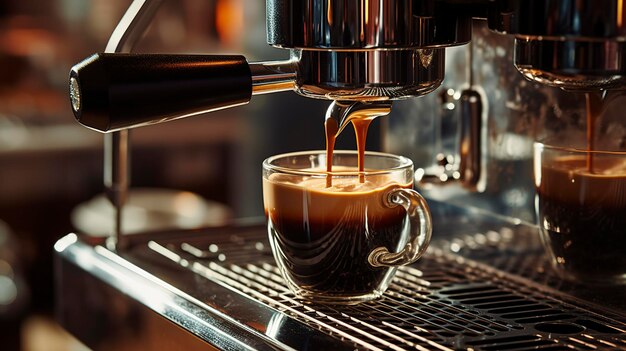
pixel 343 112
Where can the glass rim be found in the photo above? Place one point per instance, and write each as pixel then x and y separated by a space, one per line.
pixel 538 145
pixel 404 163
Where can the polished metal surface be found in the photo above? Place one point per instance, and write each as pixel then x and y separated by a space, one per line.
pixel 118 305
pixel 560 19
pixel 373 50
pixel 222 286
pixel 344 112
pixel 471 168
pixel 130 297
pixel 271 77
pixel 517 112
pixel 345 24
pixel 572 64
pixel 117 178
pixel 468 168
pixel 571 44
pixel 133 24
pixel 368 75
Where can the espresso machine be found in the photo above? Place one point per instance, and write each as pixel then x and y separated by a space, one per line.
pixel 484 283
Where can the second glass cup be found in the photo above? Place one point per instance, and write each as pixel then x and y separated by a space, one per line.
pixel 342 242
pixel 581 208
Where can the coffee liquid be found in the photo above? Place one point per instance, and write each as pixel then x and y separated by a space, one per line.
pixel 360 129
pixel 361 126
pixel 594 107
pixel 584 214
pixel 325 229
pixel 331 128
pixel 324 240
pixel 324 235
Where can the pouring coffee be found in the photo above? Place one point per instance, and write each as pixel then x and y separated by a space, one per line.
pixel 343 243
pixel 581 205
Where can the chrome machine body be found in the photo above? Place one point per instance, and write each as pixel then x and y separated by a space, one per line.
pixel 473 136
pixel 484 284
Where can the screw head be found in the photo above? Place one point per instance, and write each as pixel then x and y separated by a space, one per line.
pixel 75 94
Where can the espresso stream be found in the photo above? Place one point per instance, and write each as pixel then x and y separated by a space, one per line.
pixel 361 125
pixel 331 128
pixel 594 106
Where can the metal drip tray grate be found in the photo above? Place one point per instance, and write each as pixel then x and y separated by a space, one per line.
pixel 444 302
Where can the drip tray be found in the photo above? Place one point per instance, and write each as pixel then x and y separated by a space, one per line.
pixel 490 290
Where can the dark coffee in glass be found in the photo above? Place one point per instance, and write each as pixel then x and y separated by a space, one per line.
pixel 342 241
pixel 582 212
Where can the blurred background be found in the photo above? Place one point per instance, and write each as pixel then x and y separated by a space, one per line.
pixel 51 168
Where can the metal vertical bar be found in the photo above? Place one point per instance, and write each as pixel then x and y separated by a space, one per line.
pixel 472 128
pixel 116 145
pixel 116 179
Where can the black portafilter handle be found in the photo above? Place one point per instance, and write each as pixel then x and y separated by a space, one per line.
pixel 110 92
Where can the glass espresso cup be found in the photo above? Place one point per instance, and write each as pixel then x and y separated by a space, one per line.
pixel 581 208
pixel 342 242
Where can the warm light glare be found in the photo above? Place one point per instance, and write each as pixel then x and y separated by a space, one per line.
pixel 620 16
pixel 229 20
pixel 329 12
pixel 367 11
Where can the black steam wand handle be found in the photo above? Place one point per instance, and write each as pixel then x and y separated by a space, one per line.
pixel 111 92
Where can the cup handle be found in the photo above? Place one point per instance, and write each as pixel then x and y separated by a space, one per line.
pixel 420 227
